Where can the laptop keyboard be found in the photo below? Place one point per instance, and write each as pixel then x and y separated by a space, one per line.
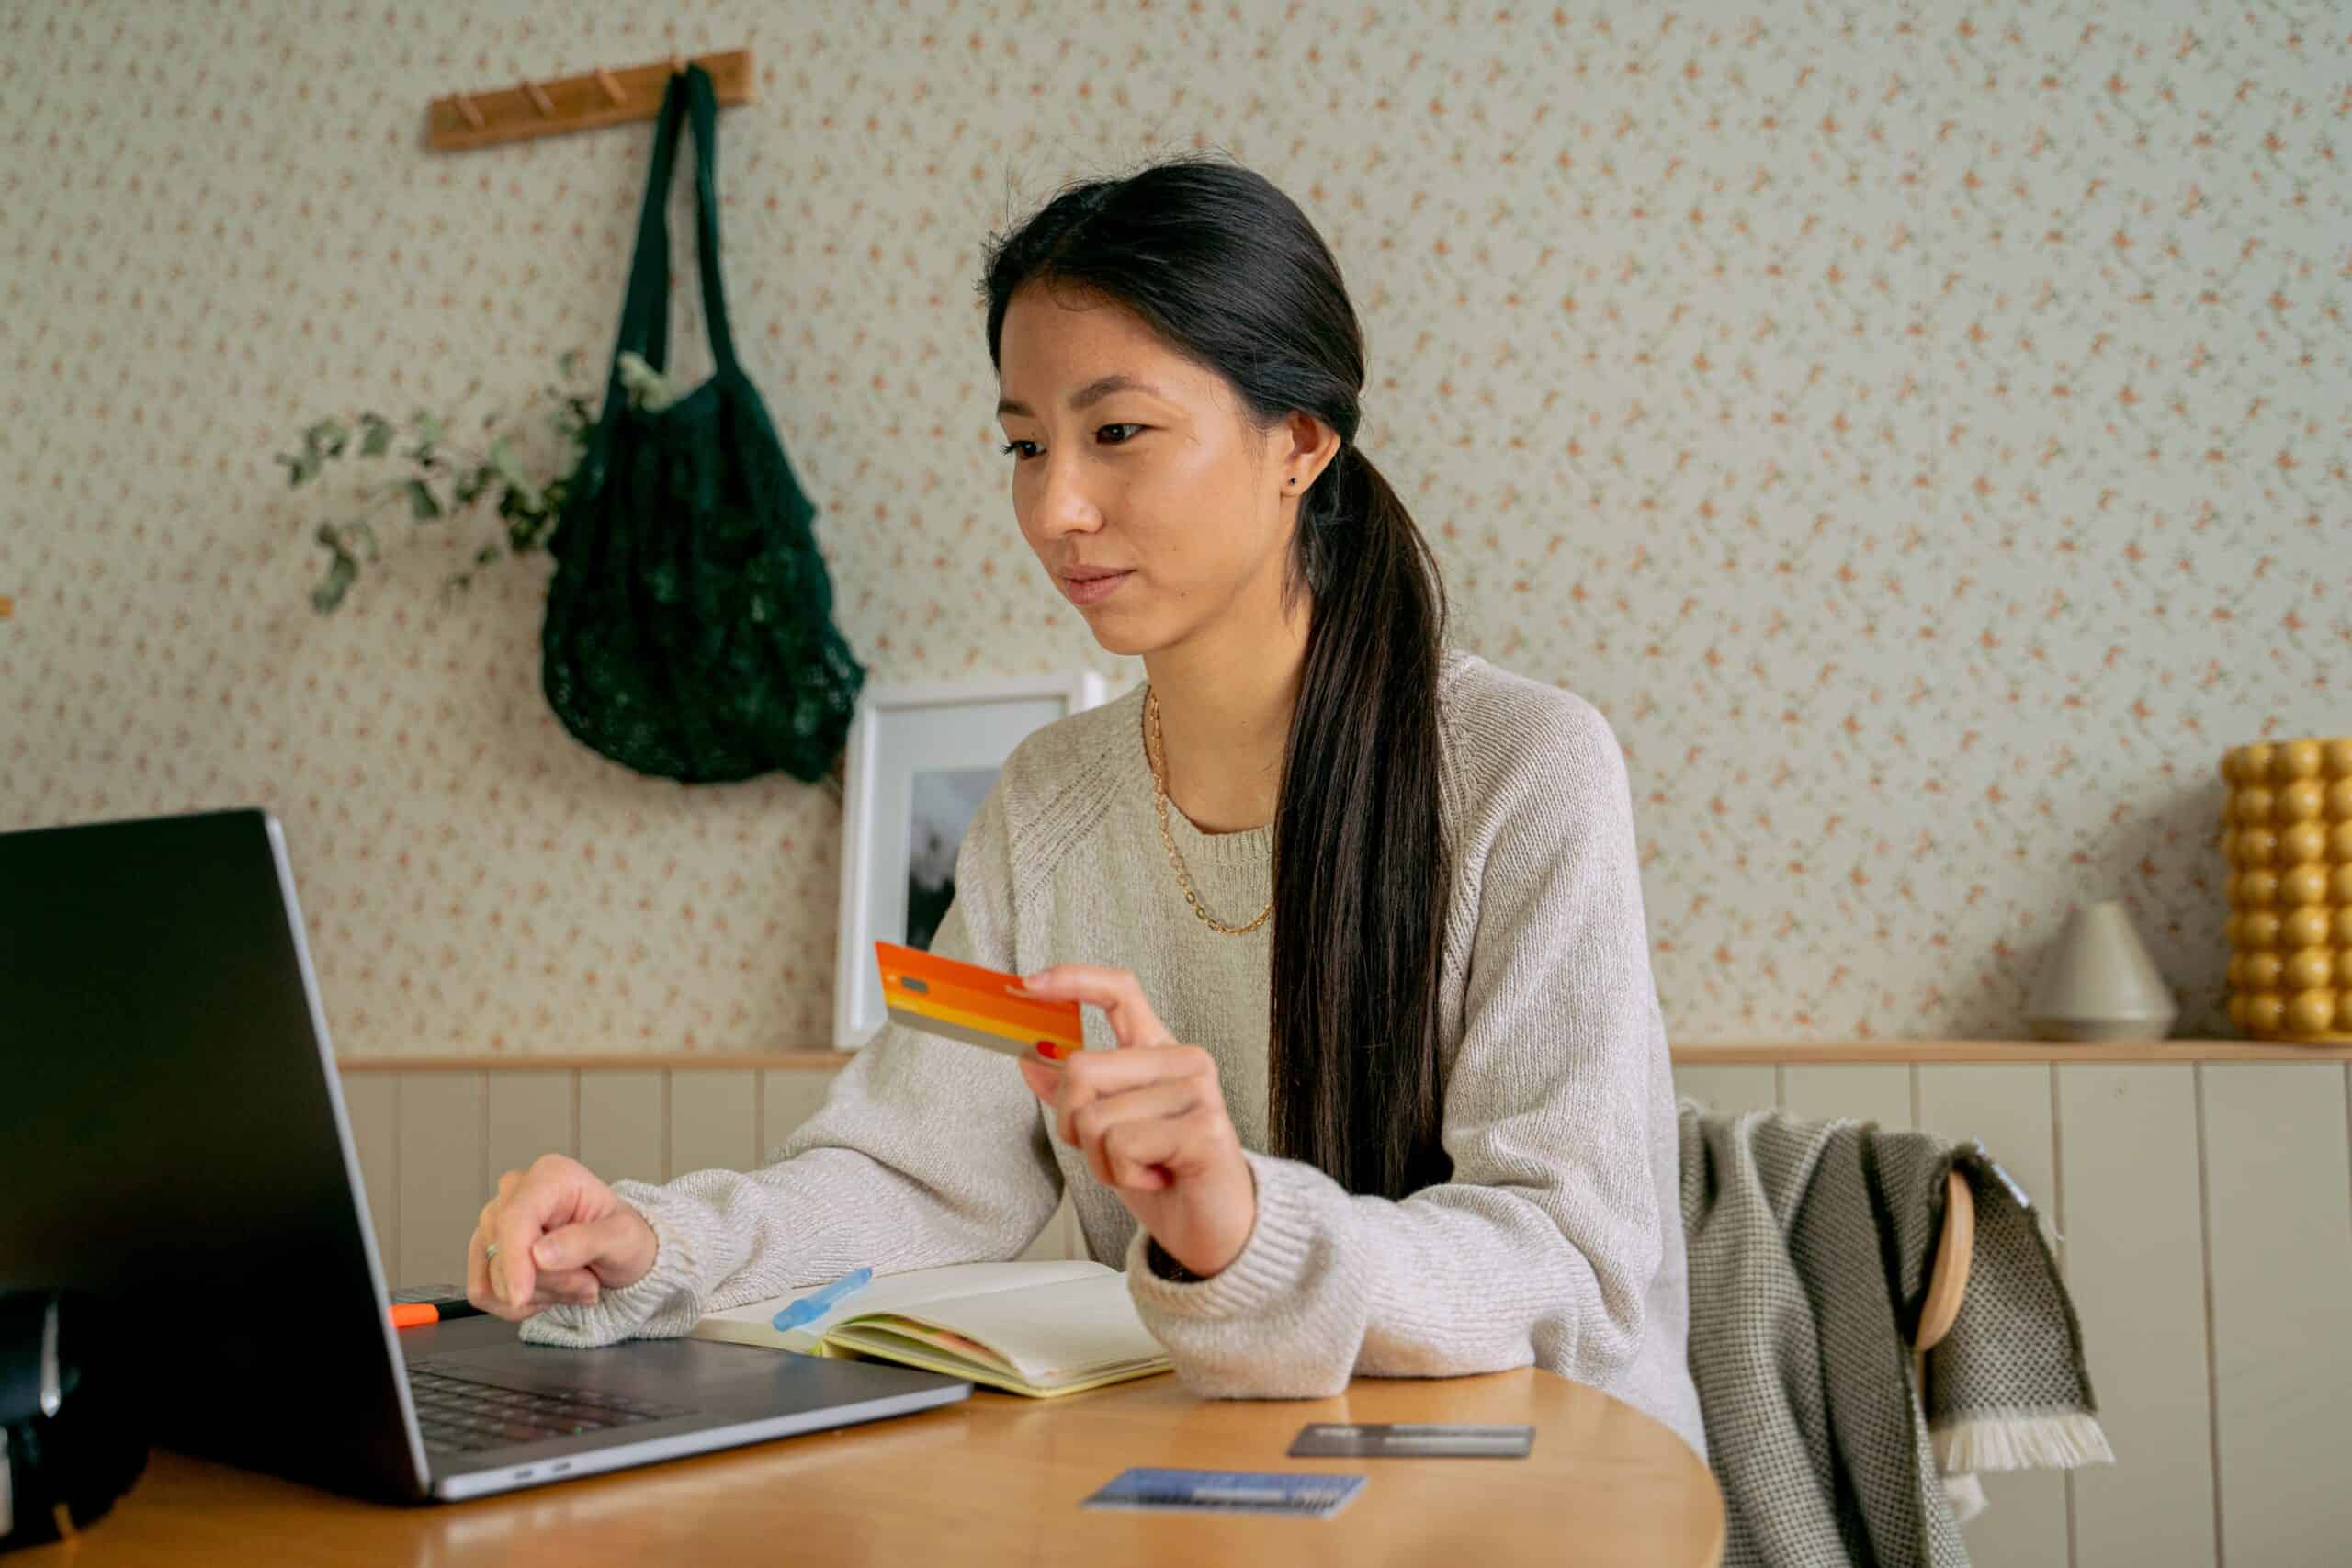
pixel 460 1414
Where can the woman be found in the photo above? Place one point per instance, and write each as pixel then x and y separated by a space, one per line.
pixel 1361 909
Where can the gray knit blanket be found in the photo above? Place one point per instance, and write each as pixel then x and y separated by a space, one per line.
pixel 1810 1244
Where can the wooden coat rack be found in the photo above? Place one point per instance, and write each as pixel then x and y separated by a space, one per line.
pixel 464 121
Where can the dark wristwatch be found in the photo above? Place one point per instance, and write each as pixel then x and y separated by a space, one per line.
pixel 1167 1268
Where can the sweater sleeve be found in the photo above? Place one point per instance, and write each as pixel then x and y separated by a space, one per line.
pixel 1548 1235
pixel 924 1153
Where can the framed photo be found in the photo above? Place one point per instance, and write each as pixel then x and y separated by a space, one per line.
pixel 920 758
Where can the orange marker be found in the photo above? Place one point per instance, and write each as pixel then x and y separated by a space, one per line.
pixel 415 1314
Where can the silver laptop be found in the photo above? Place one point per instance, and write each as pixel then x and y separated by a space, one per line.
pixel 173 1137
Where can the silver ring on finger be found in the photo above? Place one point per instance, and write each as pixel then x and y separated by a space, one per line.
pixel 490 1252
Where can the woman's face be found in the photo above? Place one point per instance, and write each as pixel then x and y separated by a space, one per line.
pixel 1128 458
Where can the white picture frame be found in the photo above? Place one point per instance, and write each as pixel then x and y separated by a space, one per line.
pixel 921 756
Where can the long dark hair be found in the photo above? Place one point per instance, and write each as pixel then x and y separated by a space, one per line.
pixel 1230 273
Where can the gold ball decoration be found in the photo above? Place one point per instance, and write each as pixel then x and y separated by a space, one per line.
pixel 2286 831
pixel 2308 928
pixel 2312 1012
pixel 2304 842
pixel 2310 969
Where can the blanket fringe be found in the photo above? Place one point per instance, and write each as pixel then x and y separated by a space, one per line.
pixel 2022 1442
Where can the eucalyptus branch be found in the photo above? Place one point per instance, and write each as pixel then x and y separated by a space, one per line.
pixel 444 479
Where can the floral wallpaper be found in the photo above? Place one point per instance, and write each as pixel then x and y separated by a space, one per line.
pixel 1919 429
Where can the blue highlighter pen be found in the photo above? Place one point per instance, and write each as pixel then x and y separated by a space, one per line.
pixel 815 1304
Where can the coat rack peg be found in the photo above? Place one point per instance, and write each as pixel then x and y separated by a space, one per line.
pixel 606 95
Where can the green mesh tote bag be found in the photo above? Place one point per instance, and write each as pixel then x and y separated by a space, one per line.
pixel 689 627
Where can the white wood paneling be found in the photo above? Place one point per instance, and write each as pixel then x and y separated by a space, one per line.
pixel 1879 1093
pixel 623 1125
pixel 2006 1110
pixel 441 1183
pixel 529 1115
pixel 714 1121
pixel 1729 1089
pixel 2279 1205
pixel 371 1102
pixel 2127 1147
pixel 788 1098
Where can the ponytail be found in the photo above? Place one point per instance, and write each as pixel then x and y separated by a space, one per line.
pixel 1361 867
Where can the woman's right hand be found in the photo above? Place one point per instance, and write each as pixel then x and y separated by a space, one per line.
pixel 563 1236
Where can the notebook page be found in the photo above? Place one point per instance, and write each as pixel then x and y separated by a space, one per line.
pixel 1053 1333
pixel 860 1334
pixel 896 1292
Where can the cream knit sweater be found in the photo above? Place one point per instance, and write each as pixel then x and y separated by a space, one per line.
pixel 1558 1242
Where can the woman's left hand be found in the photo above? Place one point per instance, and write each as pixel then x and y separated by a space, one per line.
pixel 1150 1120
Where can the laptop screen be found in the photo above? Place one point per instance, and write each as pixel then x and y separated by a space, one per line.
pixel 172 1136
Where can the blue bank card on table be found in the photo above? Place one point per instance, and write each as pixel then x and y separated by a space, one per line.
pixel 1417 1440
pixel 1228 1492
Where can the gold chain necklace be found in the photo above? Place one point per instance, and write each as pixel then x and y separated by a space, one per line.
pixel 1153 750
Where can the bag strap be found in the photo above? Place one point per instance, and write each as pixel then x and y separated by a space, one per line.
pixel 702 102
pixel 645 309
pixel 645 314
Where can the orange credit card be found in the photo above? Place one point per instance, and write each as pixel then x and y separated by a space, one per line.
pixel 980 1006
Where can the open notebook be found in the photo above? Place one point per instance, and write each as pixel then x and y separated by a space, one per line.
pixel 1038 1328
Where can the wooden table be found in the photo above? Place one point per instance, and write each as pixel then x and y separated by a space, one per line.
pixel 997 1479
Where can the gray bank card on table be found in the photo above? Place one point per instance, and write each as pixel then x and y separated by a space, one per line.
pixel 1385 1439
